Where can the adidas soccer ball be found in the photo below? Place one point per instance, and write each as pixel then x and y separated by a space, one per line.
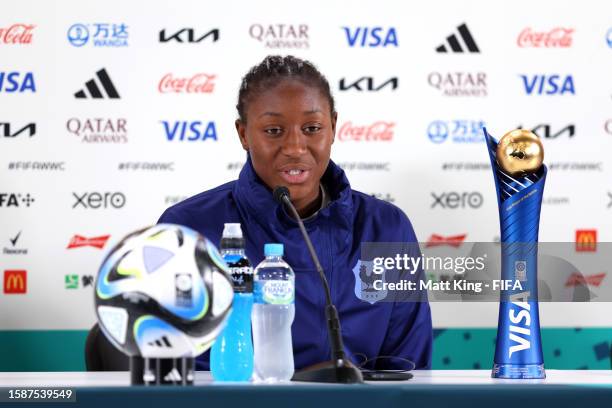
pixel 163 292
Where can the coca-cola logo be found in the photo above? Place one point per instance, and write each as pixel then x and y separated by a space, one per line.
pixel 380 131
pixel 198 83
pixel 558 37
pixel 17 34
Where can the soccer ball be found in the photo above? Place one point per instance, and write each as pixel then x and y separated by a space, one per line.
pixel 163 292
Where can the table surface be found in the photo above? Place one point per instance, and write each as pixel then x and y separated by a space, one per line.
pixel 431 389
pixel 203 378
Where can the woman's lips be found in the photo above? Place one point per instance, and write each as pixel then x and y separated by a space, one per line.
pixel 295 176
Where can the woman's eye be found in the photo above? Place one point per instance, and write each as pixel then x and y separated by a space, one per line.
pixel 312 129
pixel 274 131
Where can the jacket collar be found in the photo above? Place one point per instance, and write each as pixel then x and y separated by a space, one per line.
pixel 256 203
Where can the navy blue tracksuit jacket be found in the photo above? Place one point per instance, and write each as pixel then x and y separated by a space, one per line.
pixel 401 329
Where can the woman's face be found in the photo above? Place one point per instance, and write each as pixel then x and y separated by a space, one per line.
pixel 288 134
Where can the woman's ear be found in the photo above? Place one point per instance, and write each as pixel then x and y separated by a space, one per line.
pixel 241 130
pixel 334 119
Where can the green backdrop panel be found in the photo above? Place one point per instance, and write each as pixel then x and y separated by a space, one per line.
pixel 564 348
pixel 454 349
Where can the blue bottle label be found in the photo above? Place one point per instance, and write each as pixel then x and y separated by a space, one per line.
pixel 274 292
pixel 241 273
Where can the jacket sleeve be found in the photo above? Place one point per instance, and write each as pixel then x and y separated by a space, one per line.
pixel 176 215
pixel 168 217
pixel 409 333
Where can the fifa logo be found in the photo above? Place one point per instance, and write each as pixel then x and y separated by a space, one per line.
pixel 183 290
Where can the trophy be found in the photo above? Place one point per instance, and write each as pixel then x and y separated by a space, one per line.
pixel 519 175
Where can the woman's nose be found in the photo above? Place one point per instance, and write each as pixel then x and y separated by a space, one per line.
pixel 294 143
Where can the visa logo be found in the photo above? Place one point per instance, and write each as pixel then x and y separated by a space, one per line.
pixel 520 329
pixel 548 84
pixel 371 36
pixel 189 131
pixel 16 82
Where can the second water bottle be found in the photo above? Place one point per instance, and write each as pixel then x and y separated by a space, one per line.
pixel 273 313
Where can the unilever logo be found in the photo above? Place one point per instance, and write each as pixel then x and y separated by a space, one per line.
pixel 100 34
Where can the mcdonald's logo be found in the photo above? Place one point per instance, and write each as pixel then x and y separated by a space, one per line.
pixel 15 281
pixel 586 240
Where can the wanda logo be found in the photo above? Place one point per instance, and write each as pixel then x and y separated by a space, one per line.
pixel 17 34
pixel 558 37
pixel 198 83
pixel 380 131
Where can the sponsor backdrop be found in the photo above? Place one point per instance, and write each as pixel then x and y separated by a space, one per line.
pixel 112 111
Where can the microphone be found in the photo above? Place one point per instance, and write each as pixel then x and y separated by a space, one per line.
pixel 339 369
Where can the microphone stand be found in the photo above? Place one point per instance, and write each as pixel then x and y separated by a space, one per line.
pixel 338 369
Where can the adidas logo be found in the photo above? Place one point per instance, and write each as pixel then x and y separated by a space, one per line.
pixel 173 375
pixel 94 90
pixel 161 342
pixel 455 45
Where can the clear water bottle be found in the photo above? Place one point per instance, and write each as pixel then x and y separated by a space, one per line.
pixel 231 357
pixel 273 313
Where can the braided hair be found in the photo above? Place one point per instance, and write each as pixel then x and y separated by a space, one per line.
pixel 274 69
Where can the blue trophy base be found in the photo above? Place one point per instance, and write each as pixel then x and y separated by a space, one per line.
pixel 519 371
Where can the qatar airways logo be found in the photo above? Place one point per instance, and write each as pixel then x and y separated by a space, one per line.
pixel 197 83
pixel 17 34
pixel 98 130
pixel 281 35
pixel 380 131
pixel 459 83
pixel 558 37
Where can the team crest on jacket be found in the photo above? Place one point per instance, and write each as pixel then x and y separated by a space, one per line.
pixel 364 282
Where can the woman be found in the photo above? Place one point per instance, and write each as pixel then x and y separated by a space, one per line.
pixel 287 124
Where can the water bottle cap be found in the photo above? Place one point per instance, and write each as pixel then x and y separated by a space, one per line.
pixel 232 230
pixel 274 249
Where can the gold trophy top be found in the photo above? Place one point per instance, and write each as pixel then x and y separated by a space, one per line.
pixel 520 152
